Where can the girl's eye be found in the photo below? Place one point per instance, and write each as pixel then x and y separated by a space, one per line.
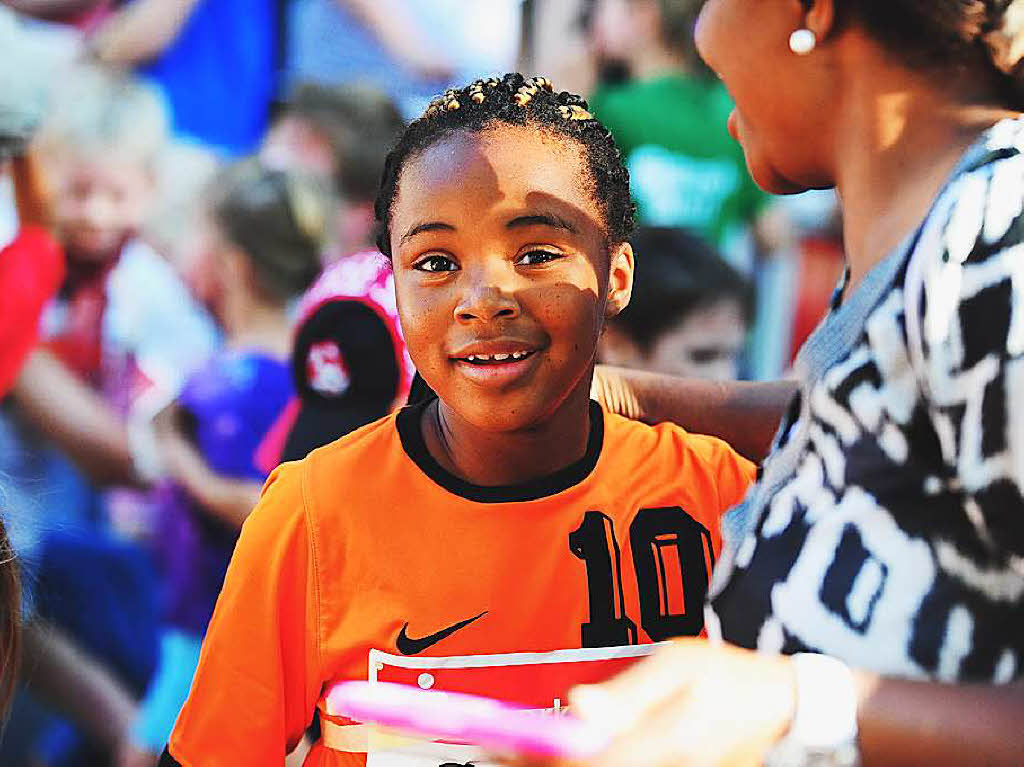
pixel 435 263
pixel 535 257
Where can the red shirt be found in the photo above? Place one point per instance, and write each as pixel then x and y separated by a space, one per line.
pixel 31 271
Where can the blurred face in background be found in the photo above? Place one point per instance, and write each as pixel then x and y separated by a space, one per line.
pixel 619 28
pixel 205 269
pixel 293 143
pixel 704 343
pixel 101 199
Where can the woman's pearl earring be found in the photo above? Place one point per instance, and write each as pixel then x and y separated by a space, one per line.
pixel 802 42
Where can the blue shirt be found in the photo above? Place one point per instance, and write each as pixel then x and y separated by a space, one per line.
pixel 219 74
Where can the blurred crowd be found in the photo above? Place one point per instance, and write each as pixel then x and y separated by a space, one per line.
pixel 198 178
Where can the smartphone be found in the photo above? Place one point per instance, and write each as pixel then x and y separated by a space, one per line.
pixel 490 724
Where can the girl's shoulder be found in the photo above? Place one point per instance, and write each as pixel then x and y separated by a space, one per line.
pixel 670 448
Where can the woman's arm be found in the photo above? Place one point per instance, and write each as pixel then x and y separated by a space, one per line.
pixel 913 723
pixel 230 500
pixel 744 414
pixel 696 703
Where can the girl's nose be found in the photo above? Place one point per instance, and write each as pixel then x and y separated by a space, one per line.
pixel 486 299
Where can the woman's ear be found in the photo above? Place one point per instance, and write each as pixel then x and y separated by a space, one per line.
pixel 620 279
pixel 819 16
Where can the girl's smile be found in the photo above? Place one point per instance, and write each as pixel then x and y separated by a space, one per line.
pixel 497 363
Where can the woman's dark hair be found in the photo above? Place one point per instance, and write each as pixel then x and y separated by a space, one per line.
pixel 10 621
pixel 931 33
pixel 516 100
pixel 676 273
pixel 278 219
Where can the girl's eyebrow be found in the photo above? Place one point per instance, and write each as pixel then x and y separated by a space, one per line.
pixel 542 219
pixel 429 226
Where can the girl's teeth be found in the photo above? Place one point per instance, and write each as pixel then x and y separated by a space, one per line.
pixel 497 357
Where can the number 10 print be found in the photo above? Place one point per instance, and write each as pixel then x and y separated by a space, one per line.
pixel 671 552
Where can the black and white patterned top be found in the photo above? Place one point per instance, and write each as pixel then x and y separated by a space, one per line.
pixel 888 526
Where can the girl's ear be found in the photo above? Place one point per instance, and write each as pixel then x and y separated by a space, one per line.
pixel 620 279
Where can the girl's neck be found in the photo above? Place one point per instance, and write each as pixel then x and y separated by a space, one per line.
pixel 499 458
pixel 258 326
pixel 898 140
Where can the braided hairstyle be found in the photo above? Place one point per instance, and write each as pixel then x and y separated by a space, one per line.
pixel 983 34
pixel 516 100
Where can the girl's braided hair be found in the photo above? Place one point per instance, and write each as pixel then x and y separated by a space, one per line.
pixel 516 100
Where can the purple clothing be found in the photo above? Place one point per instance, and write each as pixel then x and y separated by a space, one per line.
pixel 230 403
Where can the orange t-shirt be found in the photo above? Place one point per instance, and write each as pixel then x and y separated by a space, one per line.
pixel 367 560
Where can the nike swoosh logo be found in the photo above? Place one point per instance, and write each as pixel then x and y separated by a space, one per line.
pixel 409 646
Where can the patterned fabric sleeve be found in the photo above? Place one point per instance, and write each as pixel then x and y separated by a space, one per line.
pixel 971 317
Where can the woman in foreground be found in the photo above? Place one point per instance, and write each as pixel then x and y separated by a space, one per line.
pixel 887 530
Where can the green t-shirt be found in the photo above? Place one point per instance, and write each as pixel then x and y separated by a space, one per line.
pixel 684 167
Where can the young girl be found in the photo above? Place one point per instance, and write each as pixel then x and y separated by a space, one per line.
pixel 508 535
pixel 264 238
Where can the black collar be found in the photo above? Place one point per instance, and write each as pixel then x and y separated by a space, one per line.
pixel 411 434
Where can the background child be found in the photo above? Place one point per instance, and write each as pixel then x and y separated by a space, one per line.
pixel 265 232
pixel 124 324
pixel 119 337
pixel 510 514
pixel 689 313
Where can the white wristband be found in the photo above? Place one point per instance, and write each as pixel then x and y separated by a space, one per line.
pixel 826 701
pixel 824 726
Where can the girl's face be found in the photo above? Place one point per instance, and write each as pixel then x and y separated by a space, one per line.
pixel 502 273
pixel 781 121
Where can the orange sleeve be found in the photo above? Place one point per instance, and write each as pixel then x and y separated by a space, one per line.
pixel 258 679
pixel 735 476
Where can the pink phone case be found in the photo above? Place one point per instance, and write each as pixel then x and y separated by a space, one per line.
pixel 471 719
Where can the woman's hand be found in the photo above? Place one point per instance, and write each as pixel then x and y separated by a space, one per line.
pixel 691 703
